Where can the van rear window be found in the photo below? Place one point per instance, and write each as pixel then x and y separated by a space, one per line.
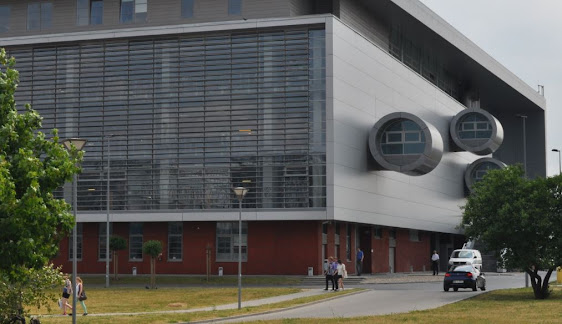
pixel 462 254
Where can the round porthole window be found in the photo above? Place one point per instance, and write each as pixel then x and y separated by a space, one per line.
pixel 477 169
pixel 476 131
pixel 405 143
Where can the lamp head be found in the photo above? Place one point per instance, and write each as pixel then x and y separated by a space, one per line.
pixel 555 150
pixel 79 143
pixel 240 192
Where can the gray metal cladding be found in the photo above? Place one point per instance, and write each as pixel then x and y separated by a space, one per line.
pixel 476 131
pixel 424 155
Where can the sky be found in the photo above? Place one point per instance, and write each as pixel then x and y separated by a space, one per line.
pixel 524 36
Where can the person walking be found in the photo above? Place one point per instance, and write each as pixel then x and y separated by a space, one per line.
pixel 81 294
pixel 329 272
pixel 342 274
pixel 359 261
pixel 435 263
pixel 66 291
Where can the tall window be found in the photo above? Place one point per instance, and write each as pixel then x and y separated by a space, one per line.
pixel 96 12
pixel 234 7
pixel 133 11
pixel 4 18
pixel 227 241
pixel 103 240
pixel 135 242
pixel 78 243
pixel 175 235
pixel 89 12
pixel 39 15
pixel 187 8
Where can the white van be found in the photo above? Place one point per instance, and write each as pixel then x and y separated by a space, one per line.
pixel 466 256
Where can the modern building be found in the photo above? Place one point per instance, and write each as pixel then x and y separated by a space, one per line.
pixel 353 123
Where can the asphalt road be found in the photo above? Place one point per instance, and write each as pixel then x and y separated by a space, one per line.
pixel 382 299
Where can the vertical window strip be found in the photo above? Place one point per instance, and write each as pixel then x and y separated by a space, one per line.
pixel 96 12
pixel 5 12
pixel 103 240
pixel 82 12
pixel 175 241
pixel 234 7
pixel 187 8
pixel 78 244
pixel 135 241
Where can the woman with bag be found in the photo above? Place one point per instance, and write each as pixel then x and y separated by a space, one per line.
pixel 66 291
pixel 81 294
pixel 342 273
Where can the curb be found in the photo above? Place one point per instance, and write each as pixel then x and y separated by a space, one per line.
pixel 217 320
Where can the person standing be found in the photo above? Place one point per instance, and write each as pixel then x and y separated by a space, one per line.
pixel 329 272
pixel 359 261
pixel 80 294
pixel 435 263
pixel 342 274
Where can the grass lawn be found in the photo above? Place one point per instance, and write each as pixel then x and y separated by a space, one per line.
pixel 101 300
pixel 495 307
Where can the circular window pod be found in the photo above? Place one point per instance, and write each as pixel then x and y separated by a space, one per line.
pixel 405 143
pixel 477 169
pixel 476 131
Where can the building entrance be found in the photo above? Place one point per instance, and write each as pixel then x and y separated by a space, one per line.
pixel 365 234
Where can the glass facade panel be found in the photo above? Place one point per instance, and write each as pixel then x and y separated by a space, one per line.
pixel 127 11
pixel 33 16
pixel 234 7
pixel 187 8
pixel 194 116
pixel 5 13
pixel 96 12
pixel 82 12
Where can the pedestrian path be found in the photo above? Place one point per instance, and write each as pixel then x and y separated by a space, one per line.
pixel 249 303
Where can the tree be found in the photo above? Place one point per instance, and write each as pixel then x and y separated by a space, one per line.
pixel 519 219
pixel 116 243
pixel 154 249
pixel 32 220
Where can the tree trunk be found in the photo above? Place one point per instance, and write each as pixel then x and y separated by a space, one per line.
pixel 540 287
pixel 115 265
pixel 152 273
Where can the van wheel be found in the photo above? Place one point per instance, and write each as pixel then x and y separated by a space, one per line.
pixel 456 289
pixel 446 288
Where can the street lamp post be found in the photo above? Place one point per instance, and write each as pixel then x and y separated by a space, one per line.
pixel 108 137
pixel 524 119
pixel 240 193
pixel 78 143
pixel 559 163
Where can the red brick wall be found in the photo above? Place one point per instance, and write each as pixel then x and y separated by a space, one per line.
pixel 277 247
pixel 380 253
pixel 410 253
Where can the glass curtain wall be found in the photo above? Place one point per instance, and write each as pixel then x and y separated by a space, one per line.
pixel 193 117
